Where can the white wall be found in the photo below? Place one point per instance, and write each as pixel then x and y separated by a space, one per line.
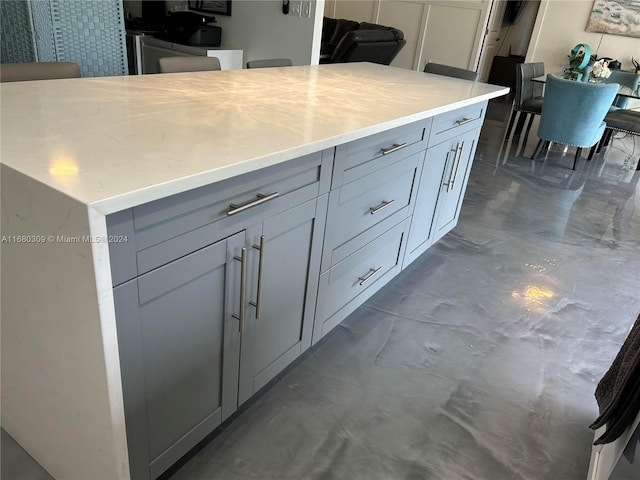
pixel 561 25
pixel 442 31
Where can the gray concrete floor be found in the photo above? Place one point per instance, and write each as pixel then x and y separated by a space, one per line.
pixel 480 360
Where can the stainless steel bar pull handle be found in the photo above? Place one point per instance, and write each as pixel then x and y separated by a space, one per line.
pixel 382 206
pixel 243 290
pixel 234 208
pixel 365 278
pixel 457 165
pixel 464 120
pixel 394 148
pixel 455 151
pixel 260 265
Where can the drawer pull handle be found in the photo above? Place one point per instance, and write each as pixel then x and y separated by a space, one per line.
pixel 243 291
pixel 372 272
pixel 257 303
pixel 382 206
pixel 394 148
pixel 252 203
pixel 464 120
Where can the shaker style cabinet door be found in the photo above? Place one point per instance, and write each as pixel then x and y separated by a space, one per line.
pixel 179 346
pixel 422 222
pixel 459 154
pixel 282 284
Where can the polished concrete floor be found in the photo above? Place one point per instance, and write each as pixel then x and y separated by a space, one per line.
pixel 480 360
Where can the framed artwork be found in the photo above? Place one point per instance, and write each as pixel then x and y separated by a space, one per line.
pixel 221 7
pixel 616 17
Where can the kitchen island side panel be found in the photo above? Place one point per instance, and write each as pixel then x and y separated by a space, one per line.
pixel 61 393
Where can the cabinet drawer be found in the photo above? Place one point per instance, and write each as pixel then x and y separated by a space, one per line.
pixel 188 210
pixel 450 124
pixel 169 228
pixel 360 157
pixel 369 267
pixel 359 205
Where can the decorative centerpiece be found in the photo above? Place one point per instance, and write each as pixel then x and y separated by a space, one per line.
pixel 599 70
pixel 578 60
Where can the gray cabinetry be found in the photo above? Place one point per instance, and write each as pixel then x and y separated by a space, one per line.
pixel 222 299
pixel 361 204
pixel 443 177
pixel 282 281
pixel 348 284
pixel 458 155
pixel 420 236
pixel 373 189
pixel 361 157
pixel 221 287
pixel 179 349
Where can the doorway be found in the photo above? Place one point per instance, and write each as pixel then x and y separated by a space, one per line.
pixel 508 35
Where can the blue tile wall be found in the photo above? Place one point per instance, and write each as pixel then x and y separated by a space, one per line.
pixel 45 43
pixel 16 42
pixel 88 32
pixel 92 34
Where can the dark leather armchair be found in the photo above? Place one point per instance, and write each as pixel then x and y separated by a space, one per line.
pixel 349 41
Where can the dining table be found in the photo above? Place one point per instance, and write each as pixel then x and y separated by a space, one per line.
pixel 625 91
pixel 621 120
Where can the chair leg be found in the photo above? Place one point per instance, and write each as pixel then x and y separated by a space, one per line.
pixel 536 152
pixel 526 134
pixel 608 135
pixel 591 152
pixel 520 125
pixel 577 157
pixel 602 141
pixel 514 113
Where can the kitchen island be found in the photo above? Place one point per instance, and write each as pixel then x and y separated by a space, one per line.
pixel 153 225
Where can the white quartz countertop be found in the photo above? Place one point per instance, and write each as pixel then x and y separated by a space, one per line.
pixel 117 142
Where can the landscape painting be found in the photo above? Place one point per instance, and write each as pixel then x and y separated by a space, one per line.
pixel 616 17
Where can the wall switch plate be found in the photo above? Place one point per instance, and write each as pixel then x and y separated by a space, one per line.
pixel 295 8
pixel 306 9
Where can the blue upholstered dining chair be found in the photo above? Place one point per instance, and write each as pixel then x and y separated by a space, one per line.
pixel 627 79
pixel 573 114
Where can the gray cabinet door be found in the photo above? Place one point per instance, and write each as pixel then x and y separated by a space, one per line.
pixel 179 347
pixel 288 282
pixel 454 182
pixel 422 222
